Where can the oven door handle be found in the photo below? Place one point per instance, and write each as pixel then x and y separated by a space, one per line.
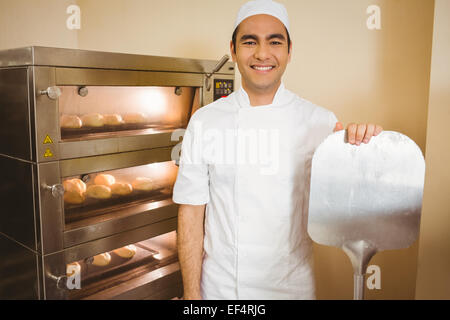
pixel 57 190
pixel 61 281
pixel 52 92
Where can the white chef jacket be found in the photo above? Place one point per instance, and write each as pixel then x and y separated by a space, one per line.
pixel 251 166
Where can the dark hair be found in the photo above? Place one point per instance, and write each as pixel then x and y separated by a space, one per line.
pixel 233 38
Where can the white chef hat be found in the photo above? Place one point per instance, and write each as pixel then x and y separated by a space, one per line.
pixel 268 7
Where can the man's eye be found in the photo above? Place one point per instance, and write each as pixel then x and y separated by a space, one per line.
pixel 249 43
pixel 276 43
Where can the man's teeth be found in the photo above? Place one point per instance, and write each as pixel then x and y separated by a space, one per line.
pixel 262 68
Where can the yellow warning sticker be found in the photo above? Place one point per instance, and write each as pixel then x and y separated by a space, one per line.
pixel 48 153
pixel 48 140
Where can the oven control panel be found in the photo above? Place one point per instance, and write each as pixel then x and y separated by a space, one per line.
pixel 222 88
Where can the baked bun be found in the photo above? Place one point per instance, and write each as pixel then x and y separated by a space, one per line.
pixel 134 118
pixel 98 192
pixel 113 119
pixel 102 259
pixel 126 252
pixel 70 121
pixel 73 269
pixel 74 185
pixel 121 189
pixel 93 120
pixel 105 180
pixel 143 184
pixel 74 191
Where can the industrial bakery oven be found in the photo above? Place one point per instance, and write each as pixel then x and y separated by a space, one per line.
pixel 88 142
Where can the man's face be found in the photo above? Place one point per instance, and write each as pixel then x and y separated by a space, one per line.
pixel 261 52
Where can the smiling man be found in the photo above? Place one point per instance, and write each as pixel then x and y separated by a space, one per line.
pixel 242 229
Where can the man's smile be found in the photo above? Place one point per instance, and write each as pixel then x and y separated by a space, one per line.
pixel 262 68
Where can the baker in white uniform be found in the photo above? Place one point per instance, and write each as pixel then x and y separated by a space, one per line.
pixel 243 180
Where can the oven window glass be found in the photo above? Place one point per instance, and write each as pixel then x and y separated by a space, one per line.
pixel 151 263
pixel 96 112
pixel 93 197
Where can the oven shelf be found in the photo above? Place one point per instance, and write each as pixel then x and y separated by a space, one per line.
pixel 155 263
pixel 119 221
pixel 82 134
pixel 93 208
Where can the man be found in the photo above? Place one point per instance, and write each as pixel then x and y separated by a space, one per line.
pixel 246 160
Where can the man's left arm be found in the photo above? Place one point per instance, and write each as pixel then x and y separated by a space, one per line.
pixel 359 133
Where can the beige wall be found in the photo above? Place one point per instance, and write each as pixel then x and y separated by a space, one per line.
pixel 433 275
pixel 35 22
pixel 365 76
pixel 379 76
pixel 198 29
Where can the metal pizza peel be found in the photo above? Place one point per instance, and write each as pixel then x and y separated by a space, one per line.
pixel 365 199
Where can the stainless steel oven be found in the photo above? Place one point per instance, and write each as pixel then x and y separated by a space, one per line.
pixel 87 170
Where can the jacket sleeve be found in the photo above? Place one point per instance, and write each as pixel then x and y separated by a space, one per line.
pixel 192 184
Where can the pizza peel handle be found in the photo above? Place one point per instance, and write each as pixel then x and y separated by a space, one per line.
pixel 367 198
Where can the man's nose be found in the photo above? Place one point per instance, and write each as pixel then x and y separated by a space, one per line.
pixel 262 52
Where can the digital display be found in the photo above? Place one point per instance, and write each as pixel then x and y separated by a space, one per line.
pixel 222 88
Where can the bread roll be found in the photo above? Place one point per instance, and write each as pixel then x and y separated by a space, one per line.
pixel 74 191
pixel 105 180
pixel 74 185
pixel 98 192
pixel 102 259
pixel 70 121
pixel 126 252
pixel 93 120
pixel 73 269
pixel 143 184
pixel 134 118
pixel 121 189
pixel 74 197
pixel 113 119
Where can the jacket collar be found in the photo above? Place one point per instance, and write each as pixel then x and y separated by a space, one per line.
pixel 278 100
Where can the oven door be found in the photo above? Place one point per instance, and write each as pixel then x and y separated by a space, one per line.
pixel 138 264
pixel 86 199
pixel 88 112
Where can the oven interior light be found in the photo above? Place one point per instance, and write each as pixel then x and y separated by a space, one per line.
pixel 153 101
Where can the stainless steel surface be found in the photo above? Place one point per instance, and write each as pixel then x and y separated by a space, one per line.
pixel 36 158
pixel 73 167
pixel 15 130
pixel 115 143
pixel 216 68
pixel 360 252
pixel 220 64
pixel 47 117
pixel 96 77
pixel 119 221
pixel 17 197
pixel 367 198
pixel 50 208
pixel 51 92
pixel 155 278
pixel 161 284
pixel 55 264
pixel 57 190
pixel 18 271
pixel 117 240
pixel 60 281
pixel 59 57
pixel 53 269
